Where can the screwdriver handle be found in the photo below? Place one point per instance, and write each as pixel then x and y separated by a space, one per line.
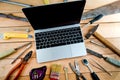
pixel 94 76
pixel 96 18
pixel 7 52
pixel 113 61
pixel 46 1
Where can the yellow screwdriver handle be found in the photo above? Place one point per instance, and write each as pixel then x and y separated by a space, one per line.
pixel 9 35
pixel 6 53
pixel 46 1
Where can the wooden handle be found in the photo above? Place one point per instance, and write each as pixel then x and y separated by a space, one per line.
pixel 107 43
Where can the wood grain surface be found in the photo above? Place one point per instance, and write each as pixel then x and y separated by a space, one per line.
pixel 109 28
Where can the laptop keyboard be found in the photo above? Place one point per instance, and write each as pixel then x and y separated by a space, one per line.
pixel 58 37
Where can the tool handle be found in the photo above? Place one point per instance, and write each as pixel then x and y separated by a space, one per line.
pixel 7 52
pixel 96 18
pixel 83 77
pixel 20 70
pixel 113 61
pixel 46 1
pixel 9 35
pixel 107 43
pixel 94 76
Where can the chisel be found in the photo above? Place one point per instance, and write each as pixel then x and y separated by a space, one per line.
pixel 11 50
pixel 108 59
pixel 93 20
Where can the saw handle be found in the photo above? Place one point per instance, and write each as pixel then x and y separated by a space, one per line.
pixel 96 18
pixel 113 61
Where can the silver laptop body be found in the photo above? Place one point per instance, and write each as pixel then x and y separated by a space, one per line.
pixel 57 22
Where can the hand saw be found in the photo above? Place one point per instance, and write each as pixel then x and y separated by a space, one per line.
pixel 9 35
pixel 108 9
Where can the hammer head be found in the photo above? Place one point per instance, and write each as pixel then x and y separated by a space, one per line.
pixel 91 32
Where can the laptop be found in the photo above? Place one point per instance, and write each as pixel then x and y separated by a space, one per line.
pixel 57 30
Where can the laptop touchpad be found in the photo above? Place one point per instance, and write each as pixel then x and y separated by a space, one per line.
pixel 54 53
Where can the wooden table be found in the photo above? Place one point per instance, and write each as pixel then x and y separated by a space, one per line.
pixel 109 28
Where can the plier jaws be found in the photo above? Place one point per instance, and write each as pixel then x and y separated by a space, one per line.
pixel 76 70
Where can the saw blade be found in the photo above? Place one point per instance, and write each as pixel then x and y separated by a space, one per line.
pixel 108 9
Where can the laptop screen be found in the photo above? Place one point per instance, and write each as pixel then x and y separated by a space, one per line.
pixel 55 15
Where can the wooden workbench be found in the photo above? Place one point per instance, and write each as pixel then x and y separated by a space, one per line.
pixel 109 28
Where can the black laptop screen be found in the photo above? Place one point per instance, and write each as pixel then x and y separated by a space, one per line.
pixel 54 15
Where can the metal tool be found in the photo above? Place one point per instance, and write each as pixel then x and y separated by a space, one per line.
pixel 93 74
pixel 66 73
pixel 16 3
pixel 76 70
pixel 26 30
pixel 93 20
pixel 26 48
pixel 108 9
pixel 101 67
pixel 11 50
pixel 107 43
pixel 65 0
pixel 108 59
pixel 87 36
pixel 97 44
pixel 9 35
pixel 11 16
pixel 21 64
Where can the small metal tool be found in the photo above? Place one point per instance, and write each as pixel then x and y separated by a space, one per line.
pixel 21 53
pixel 26 30
pixel 11 16
pixel 97 44
pixel 93 20
pixel 101 67
pixel 76 70
pixel 16 3
pixel 11 50
pixel 108 59
pixel 65 0
pixel 66 73
pixel 21 64
pixel 93 74
pixel 91 32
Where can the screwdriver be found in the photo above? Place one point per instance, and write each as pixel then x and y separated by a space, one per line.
pixel 46 1
pixel 93 20
pixel 11 50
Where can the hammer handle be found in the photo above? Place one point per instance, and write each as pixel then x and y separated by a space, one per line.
pixel 107 43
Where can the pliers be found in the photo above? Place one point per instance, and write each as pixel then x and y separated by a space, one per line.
pixel 21 64
pixel 76 70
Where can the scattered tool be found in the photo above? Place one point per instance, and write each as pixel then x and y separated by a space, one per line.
pixel 92 41
pixel 16 3
pixel 46 1
pixel 108 59
pixel 11 16
pixel 8 35
pixel 91 32
pixel 66 73
pixel 11 50
pixel 93 74
pixel 38 73
pixel 93 20
pixel 55 72
pixel 76 70
pixel 65 0
pixel 101 67
pixel 107 43
pixel 108 9
pixel 26 48
pixel 21 64
pixel 26 30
